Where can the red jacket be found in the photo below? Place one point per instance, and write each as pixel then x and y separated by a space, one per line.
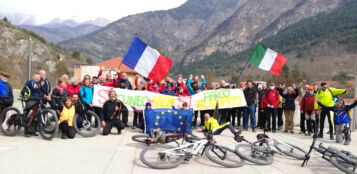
pixel 73 90
pixel 270 97
pixel 307 103
pixel 185 89
pixel 111 82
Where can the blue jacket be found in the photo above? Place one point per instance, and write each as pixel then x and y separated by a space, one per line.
pixel 37 90
pixel 9 96
pixel 289 103
pixel 86 94
pixel 2 89
pixel 190 87
pixel 341 115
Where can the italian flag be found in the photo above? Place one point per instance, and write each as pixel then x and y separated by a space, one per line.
pixel 267 59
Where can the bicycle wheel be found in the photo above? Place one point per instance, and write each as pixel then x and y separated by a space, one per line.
pixel 87 125
pixel 343 165
pixel 224 156
pixel 290 150
pixel 10 121
pixel 257 157
pixel 47 124
pixel 142 138
pixel 154 157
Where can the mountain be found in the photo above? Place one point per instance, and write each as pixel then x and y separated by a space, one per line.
pixel 58 32
pixel 15 46
pixel 19 18
pixel 199 28
pixel 322 47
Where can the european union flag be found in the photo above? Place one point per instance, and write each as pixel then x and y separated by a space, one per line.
pixel 168 119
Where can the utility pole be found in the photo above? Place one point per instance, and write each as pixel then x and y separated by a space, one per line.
pixel 29 61
pixel 354 118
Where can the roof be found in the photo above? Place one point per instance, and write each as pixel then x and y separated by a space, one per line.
pixel 115 63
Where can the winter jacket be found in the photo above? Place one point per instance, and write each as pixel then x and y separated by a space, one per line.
pixel 168 92
pixel 109 109
pixel 307 103
pixel 127 84
pixel 7 100
pixel 250 95
pixel 185 89
pixel 73 89
pixel 158 89
pixel 86 94
pixel 192 92
pixel 58 98
pixel 112 82
pixel 326 97
pixel 47 85
pixel 67 115
pixel 2 90
pixel 37 90
pixel 289 103
pixel 341 114
pixel 270 97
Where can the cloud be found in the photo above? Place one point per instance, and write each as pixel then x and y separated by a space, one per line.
pixel 82 10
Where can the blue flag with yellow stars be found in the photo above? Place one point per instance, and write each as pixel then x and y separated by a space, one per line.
pixel 168 120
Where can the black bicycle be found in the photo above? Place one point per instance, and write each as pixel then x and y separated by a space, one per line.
pixel 37 117
pixel 87 124
pixel 343 160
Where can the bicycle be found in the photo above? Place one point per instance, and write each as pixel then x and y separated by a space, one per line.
pixel 161 156
pixel 171 137
pixel 343 160
pixel 44 119
pixel 262 151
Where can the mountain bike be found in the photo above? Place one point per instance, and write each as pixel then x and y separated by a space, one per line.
pixel 262 151
pixel 343 160
pixel 161 156
pixel 34 117
pixel 87 124
pixel 171 137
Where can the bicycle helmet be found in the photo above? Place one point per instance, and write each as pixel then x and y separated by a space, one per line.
pixel 158 135
pixel 25 94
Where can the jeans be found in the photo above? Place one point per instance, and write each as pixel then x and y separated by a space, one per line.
pixel 270 114
pixel 249 111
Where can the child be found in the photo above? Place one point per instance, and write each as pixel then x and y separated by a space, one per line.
pixel 307 108
pixel 341 119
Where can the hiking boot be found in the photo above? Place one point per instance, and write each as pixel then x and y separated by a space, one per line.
pixel 27 135
pixel 331 137
pixel 244 129
pixel 274 131
pixel 254 130
pixel 301 132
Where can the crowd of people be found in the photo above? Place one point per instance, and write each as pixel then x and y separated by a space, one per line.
pixel 269 102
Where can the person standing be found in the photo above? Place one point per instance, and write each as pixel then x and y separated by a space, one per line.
pixel 261 113
pixel 325 96
pixel 282 90
pixel 47 84
pixel 111 114
pixel 289 107
pixel 307 107
pixel 8 99
pixel 223 112
pixel 250 95
pixel 270 104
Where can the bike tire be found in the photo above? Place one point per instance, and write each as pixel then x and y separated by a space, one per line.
pixel 52 120
pixel 6 131
pixel 87 133
pixel 141 138
pixel 292 151
pixel 343 165
pixel 144 157
pixel 263 160
pixel 233 157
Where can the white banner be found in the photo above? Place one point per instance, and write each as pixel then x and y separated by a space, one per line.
pixel 205 100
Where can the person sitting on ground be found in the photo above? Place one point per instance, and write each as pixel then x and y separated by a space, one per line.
pixel 211 123
pixel 68 112
pixel 341 119
pixel 111 114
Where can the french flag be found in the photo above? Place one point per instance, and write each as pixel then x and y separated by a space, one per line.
pixel 147 61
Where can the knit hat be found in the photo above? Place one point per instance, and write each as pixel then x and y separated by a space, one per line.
pixel 148 104
pixel 323 84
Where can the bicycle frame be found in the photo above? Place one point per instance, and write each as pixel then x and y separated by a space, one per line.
pixel 197 146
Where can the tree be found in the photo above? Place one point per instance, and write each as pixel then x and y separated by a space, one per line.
pixel 76 54
pixel 5 19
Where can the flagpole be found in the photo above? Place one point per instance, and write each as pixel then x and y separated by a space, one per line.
pixel 241 72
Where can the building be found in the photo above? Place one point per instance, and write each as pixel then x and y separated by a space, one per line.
pixel 110 65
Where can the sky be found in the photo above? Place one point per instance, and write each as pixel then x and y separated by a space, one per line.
pixel 83 10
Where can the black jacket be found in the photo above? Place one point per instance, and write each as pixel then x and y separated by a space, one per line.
pixel 289 103
pixel 127 84
pixel 109 109
pixel 47 85
pixel 250 95
pixel 58 99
